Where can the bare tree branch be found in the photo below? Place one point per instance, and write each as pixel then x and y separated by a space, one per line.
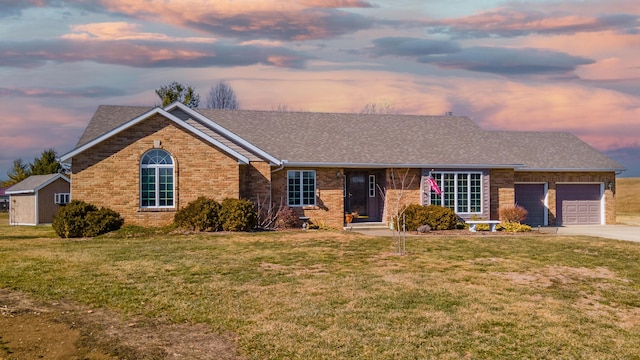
pixel 222 96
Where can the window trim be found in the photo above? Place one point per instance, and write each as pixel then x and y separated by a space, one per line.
pixel 301 191
pixel 156 168
pixel 469 192
pixel 61 198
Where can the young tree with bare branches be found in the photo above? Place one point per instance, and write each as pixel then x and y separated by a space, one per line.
pixel 222 96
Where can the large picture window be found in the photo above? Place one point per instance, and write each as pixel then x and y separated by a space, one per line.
pixel 301 187
pixel 156 180
pixel 461 191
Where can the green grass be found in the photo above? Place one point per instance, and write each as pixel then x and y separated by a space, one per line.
pixel 326 295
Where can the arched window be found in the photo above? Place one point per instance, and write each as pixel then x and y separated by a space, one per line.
pixel 156 180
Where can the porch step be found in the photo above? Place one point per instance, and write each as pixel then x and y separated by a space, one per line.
pixel 366 226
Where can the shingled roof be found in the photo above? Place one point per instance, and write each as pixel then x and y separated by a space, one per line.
pixel 358 140
pixel 34 183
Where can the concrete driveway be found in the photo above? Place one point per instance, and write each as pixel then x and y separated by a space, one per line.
pixel 618 232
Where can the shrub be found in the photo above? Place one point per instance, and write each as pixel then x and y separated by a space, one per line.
pixel 319 224
pixel 513 227
pixel 80 219
pixel 286 218
pixel 202 214
pixel 424 229
pixel 102 221
pixel 513 213
pixel 437 217
pixel 237 215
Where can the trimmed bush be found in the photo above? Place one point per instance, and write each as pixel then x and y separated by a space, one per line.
pixel 202 214
pixel 238 215
pixel 81 219
pixel 102 221
pixel 513 213
pixel 437 217
pixel 513 227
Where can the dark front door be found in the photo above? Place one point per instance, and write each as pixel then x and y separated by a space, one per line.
pixel 531 197
pixel 362 195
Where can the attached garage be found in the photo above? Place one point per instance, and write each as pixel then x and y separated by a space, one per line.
pixel 579 204
pixel 532 198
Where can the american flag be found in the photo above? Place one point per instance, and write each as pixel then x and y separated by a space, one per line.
pixel 434 185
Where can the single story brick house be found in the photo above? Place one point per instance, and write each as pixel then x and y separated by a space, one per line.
pixel 148 162
pixel 36 199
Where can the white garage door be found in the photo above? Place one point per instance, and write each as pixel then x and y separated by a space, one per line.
pixel 578 204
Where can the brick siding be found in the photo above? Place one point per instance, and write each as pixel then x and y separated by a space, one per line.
pixel 108 174
pixel 329 209
pixel 552 178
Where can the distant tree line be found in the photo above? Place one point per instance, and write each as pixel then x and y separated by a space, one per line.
pixel 221 96
pixel 46 163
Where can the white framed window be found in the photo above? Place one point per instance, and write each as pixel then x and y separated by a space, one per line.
pixel 156 180
pixel 61 198
pixel 461 191
pixel 301 187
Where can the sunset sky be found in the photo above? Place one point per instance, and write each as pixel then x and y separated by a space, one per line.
pixel 509 65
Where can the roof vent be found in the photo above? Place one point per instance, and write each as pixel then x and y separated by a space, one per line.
pixel 448 113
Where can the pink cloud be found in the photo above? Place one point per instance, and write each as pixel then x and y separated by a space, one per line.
pixel 517 22
pixel 119 31
pixel 337 3
pixel 259 19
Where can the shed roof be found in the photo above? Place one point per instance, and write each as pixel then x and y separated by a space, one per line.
pixel 333 139
pixel 34 183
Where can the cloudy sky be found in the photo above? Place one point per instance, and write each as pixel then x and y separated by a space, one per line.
pixel 533 65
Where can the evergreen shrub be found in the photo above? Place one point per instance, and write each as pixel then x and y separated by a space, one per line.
pixel 81 219
pixel 238 215
pixel 202 214
pixel 437 217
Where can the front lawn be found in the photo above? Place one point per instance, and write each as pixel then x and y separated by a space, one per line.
pixel 325 295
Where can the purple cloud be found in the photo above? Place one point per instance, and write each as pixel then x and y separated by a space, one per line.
pixel 146 54
pixel 507 61
pixel 409 46
pixel 86 92
pixel 509 23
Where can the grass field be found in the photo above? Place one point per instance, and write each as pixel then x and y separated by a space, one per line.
pixel 628 200
pixel 326 295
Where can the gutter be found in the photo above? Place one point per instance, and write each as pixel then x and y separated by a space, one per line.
pixel 400 166
pixel 616 170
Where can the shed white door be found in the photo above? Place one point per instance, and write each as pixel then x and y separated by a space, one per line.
pixel 578 204
pixel 531 197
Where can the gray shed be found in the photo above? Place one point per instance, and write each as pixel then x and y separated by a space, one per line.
pixel 36 199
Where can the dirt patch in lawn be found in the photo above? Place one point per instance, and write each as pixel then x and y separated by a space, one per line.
pixel 63 330
pixel 558 274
